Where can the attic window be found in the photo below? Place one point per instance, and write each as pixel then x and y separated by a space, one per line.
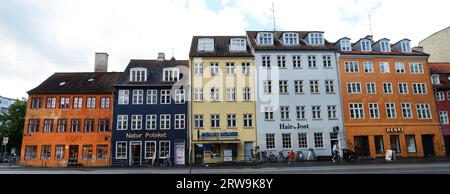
pixel 138 75
pixel 435 79
pixel 265 38
pixel 290 39
pixel 406 47
pixel 345 45
pixel 205 44
pixel 384 46
pixel 62 83
pixel 238 44
pixel 366 45
pixel 316 39
pixel 171 74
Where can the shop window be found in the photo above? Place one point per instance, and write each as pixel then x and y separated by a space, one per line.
pixel 395 143
pixel 411 144
pixel 87 152
pixel 379 144
pixel 102 152
pixel 213 150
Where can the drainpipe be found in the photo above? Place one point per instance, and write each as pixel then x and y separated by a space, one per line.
pixel 337 55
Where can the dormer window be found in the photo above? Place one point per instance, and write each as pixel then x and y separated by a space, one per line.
pixel 171 74
pixel 265 38
pixel 385 46
pixel 345 45
pixel 238 44
pixel 205 44
pixel 406 46
pixel 138 75
pixel 435 79
pixel 315 39
pixel 290 39
pixel 366 45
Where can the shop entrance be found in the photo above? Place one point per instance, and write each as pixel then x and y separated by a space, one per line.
pixel 428 147
pixel 334 140
pixel 73 154
pixel 198 154
pixel 179 153
pixel 248 147
pixel 362 146
pixel 135 153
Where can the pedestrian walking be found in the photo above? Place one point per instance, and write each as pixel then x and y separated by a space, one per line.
pixel 291 156
pixel 334 152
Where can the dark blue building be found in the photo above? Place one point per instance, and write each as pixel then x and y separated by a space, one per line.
pixel 150 113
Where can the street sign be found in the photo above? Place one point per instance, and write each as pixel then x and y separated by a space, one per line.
pixel 5 140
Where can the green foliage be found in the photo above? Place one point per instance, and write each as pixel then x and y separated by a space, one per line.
pixel 13 124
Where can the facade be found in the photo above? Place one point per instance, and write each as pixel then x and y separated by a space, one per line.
pixel 68 121
pixel 299 105
pixel 438 46
pixel 5 103
pixel 222 108
pixel 440 78
pixel 150 115
pixel 388 101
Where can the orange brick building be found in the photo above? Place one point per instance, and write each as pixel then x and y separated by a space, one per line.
pixel 388 101
pixel 69 120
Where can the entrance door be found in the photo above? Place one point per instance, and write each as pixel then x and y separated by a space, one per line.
pixel 73 154
pixel 248 146
pixel 135 156
pixel 198 154
pixel 179 153
pixel 334 140
pixel 428 147
pixel 362 146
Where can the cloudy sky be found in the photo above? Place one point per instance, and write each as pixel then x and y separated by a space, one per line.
pixel 40 37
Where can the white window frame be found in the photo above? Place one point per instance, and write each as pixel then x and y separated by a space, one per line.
pixel 126 150
pixel 164 121
pixel 406 110
pixel 165 97
pixel 138 74
pixel 135 120
pixel 391 111
pixel 124 97
pixel 180 121
pixel 151 122
pixel 370 89
pixel 152 96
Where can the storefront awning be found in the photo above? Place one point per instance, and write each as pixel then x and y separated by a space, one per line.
pixel 217 141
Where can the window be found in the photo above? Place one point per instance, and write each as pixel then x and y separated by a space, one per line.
pixel 267 87
pixel 345 45
pixel 214 69
pixel 138 96
pixel 314 86
pixel 245 68
pixel 103 125
pixel 122 122
pixel 290 38
pixel 419 88
pixel 423 111
pixel 356 111
pixel 205 44
pixel 434 80
pixel 248 120
pixel 440 96
pixel 351 67
pixel 443 115
pixel 87 152
pixel 371 88
pixel 102 152
pixel 171 74
pixel 384 67
pixel 281 61
pixel 48 125
pixel 150 149
pixel 124 96
pixel 166 97
pixel 164 149
pixel 448 95
pixel 368 67
pixel 312 61
pixel 75 125
pixel 284 110
pixel 33 126
pixel 36 103
pixel 231 94
pixel 64 102
pixel 266 61
pixel 59 152
pixel 198 121
pixel 179 97
pixel 88 125
pixel 332 112
pixel 138 75
pixel 318 140
pixel 366 45
pixel 215 121
pixel 46 151
pixel 104 102
pixel 121 150
pixel 164 122
pixel 406 47
pixel 385 46
pixel 90 104
pixel 411 143
pixel 30 152
pixel 136 122
pixel 265 38
pixel 150 122
pixel 247 94
pixel 268 113
pixel 379 144
pixel 270 141
pixel 302 140
pixel 238 44
pixel 215 94
pixel 286 140
pixel 354 88
pixel 180 121
pixel 387 88
pixel 51 102
pixel 297 61
pixel 230 68
pixel 403 88
pixel 416 68
pixel 198 68
pixel 283 87
pixel 316 112
pixel 399 67
pixel 62 125
pixel 198 94
pixel 374 111
pixel 298 86
pixel 231 121
pixel 326 61
pixel 316 39
pixel 406 110
pixel 301 112
pixel 329 86
pixel 390 111
pixel 152 96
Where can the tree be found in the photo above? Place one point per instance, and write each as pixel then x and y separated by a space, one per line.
pixel 13 124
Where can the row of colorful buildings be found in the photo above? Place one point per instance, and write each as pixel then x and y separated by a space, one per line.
pixel 267 91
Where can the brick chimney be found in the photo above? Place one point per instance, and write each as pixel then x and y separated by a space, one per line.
pixel 101 62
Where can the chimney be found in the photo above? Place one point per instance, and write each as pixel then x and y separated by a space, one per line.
pixel 161 57
pixel 101 62
pixel 418 48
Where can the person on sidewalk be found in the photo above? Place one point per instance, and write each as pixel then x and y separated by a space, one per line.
pixel 334 152
pixel 291 156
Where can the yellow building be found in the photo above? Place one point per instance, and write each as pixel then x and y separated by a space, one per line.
pixel 222 107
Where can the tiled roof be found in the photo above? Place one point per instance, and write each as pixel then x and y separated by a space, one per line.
pixel 221 48
pixel 279 46
pixel 82 82
pixel 393 52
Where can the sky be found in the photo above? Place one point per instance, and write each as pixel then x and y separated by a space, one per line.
pixel 41 37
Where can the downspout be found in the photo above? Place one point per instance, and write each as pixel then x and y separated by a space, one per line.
pixel 344 137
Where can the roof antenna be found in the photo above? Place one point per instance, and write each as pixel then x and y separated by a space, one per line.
pixel 273 16
pixel 370 24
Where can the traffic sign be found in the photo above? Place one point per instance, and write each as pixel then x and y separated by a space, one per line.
pixel 5 140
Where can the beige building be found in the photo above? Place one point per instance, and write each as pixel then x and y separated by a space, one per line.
pixel 438 46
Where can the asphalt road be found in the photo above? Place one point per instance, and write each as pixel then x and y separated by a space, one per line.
pixel 442 167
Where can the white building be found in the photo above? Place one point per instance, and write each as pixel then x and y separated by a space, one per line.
pixel 299 103
pixel 5 103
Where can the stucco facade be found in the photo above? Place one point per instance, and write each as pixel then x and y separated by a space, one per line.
pixel 438 46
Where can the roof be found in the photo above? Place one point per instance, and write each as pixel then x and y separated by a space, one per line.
pixel 82 82
pixel 221 48
pixel 392 52
pixel 439 68
pixel 154 72
pixel 447 28
pixel 279 46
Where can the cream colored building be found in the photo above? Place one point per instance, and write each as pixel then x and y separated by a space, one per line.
pixel 438 46
pixel 222 107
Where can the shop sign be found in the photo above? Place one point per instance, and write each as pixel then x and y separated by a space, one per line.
pixel 224 134
pixel 146 135
pixel 290 126
pixel 394 130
